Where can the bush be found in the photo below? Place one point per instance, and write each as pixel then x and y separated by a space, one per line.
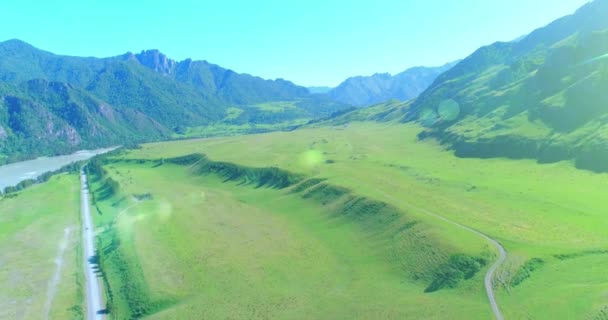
pixel 459 267
pixel 263 177
pixel 10 189
pixel 526 270
pixel 143 196
pixel 95 168
pixel 325 193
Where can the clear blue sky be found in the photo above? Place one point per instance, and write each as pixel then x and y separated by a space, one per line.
pixel 315 42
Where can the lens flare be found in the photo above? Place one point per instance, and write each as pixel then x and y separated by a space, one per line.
pixel 448 110
pixel 165 210
pixel 312 158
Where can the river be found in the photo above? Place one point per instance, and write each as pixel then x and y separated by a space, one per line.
pixel 12 174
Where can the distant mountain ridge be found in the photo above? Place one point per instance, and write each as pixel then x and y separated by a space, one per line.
pixel 21 62
pixel 380 87
pixel 155 60
pixel 239 88
pixel 54 104
pixel 541 97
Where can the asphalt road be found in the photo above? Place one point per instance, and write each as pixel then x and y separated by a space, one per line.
pixel 93 291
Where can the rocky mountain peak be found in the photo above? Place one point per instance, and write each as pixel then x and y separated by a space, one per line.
pixel 156 61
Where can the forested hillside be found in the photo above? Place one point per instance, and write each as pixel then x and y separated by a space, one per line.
pixel 51 104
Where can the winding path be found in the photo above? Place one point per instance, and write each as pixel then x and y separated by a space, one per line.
pixel 93 290
pixel 490 273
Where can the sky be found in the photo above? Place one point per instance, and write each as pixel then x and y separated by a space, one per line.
pixel 314 42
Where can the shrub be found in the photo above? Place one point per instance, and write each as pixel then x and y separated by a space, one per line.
pixel 459 267
pixel 263 177
pixel 326 193
pixel 525 271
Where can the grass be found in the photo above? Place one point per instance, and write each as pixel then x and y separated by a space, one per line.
pixel 536 211
pixel 32 226
pixel 573 288
pixel 267 117
pixel 222 129
pixel 279 106
pixel 233 113
pixel 207 248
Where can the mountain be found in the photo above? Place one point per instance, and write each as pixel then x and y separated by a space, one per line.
pixel 39 117
pixel 361 91
pixel 225 84
pixel 53 104
pixel 542 96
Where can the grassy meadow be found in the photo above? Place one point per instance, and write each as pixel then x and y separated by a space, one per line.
pixel 552 214
pixel 222 129
pixel 38 227
pixel 194 246
pixel 257 118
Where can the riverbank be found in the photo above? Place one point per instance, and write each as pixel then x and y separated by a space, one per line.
pixel 14 173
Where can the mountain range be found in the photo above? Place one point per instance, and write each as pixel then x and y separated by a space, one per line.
pixel 52 104
pixel 367 90
pixel 543 96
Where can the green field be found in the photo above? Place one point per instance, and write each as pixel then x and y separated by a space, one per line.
pixel 473 190
pixel 222 129
pixel 204 248
pixel 38 226
pixel 257 118
pixel 235 250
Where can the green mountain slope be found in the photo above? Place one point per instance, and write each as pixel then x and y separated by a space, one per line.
pixel 131 85
pixel 21 62
pixel 223 83
pixel 40 117
pixel 541 97
pixel 53 104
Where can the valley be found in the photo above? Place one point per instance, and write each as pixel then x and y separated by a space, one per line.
pixel 14 173
pixel 475 189
pixel 521 204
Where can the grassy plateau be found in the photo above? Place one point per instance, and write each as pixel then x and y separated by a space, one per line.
pixel 333 222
